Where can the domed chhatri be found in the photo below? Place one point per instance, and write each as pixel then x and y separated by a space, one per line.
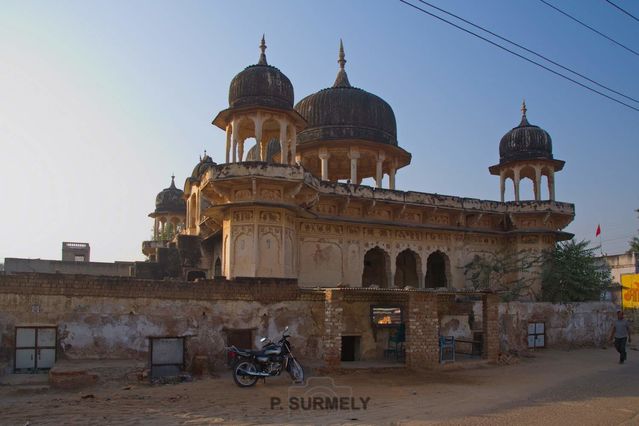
pixel 261 85
pixel 202 166
pixel 525 141
pixel 169 213
pixel 170 200
pixel 261 107
pixel 526 152
pixel 354 128
pixel 346 112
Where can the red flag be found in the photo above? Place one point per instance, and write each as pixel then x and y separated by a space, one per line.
pixel 598 231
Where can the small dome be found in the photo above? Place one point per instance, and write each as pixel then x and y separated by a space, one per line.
pixel 525 142
pixel 200 168
pixel 346 112
pixel 261 85
pixel 272 149
pixel 170 200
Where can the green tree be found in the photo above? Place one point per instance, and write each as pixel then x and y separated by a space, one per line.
pixel 572 273
pixel 169 232
pixel 511 274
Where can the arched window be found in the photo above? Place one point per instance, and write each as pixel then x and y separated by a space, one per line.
pixel 406 272
pixel 376 268
pixel 437 270
pixel 218 268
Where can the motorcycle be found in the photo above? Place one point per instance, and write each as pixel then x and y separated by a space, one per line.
pixel 249 366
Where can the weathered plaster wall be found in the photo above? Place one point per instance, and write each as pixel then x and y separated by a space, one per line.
pixel 112 318
pixel 579 324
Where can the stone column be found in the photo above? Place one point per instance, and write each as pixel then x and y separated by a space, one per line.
pixel 235 136
pixel 379 175
pixel 283 143
pixel 258 121
pixel 332 338
pixel 490 326
pixel 502 185
pixel 324 156
pixel 551 184
pixel 516 183
pixel 228 141
pixel 392 268
pixel 354 156
pixel 537 184
pixel 293 132
pixel 391 178
pixel 422 330
pixel 240 149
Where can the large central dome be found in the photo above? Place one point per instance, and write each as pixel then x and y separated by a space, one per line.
pixel 346 112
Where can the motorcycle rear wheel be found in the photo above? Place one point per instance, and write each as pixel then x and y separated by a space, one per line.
pixel 296 371
pixel 241 380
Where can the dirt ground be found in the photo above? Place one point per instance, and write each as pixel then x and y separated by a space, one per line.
pixel 579 387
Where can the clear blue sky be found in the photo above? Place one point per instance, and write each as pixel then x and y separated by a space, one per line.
pixel 100 101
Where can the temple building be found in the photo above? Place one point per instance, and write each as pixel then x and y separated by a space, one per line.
pixel 288 200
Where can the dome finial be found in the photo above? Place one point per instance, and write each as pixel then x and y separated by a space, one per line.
pixel 172 181
pixel 262 60
pixel 341 61
pixel 342 78
pixel 524 120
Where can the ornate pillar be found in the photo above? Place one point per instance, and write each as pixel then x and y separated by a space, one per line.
pixel 258 121
pixel 354 156
pixel 379 175
pixel 502 185
pixel 537 183
pixel 235 136
pixel 240 149
pixel 283 143
pixel 228 141
pixel 324 156
pixel 551 184
pixel 516 180
pixel 293 132
pixel 391 177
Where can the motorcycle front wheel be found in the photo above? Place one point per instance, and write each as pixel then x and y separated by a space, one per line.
pixel 239 374
pixel 296 371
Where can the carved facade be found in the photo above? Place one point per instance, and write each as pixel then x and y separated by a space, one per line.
pixel 294 206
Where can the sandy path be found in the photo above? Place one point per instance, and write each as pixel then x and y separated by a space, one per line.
pixel 556 387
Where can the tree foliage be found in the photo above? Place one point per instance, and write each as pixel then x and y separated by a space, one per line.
pixel 511 274
pixel 572 273
pixel 169 232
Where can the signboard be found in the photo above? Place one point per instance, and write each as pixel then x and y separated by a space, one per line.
pixel 630 291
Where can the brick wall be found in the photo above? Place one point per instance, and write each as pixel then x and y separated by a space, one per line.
pixel 332 341
pixel 490 325
pixel 422 330
pixel 254 289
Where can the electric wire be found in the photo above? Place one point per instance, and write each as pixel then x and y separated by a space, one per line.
pixel 529 51
pixel 521 56
pixel 623 10
pixel 589 27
